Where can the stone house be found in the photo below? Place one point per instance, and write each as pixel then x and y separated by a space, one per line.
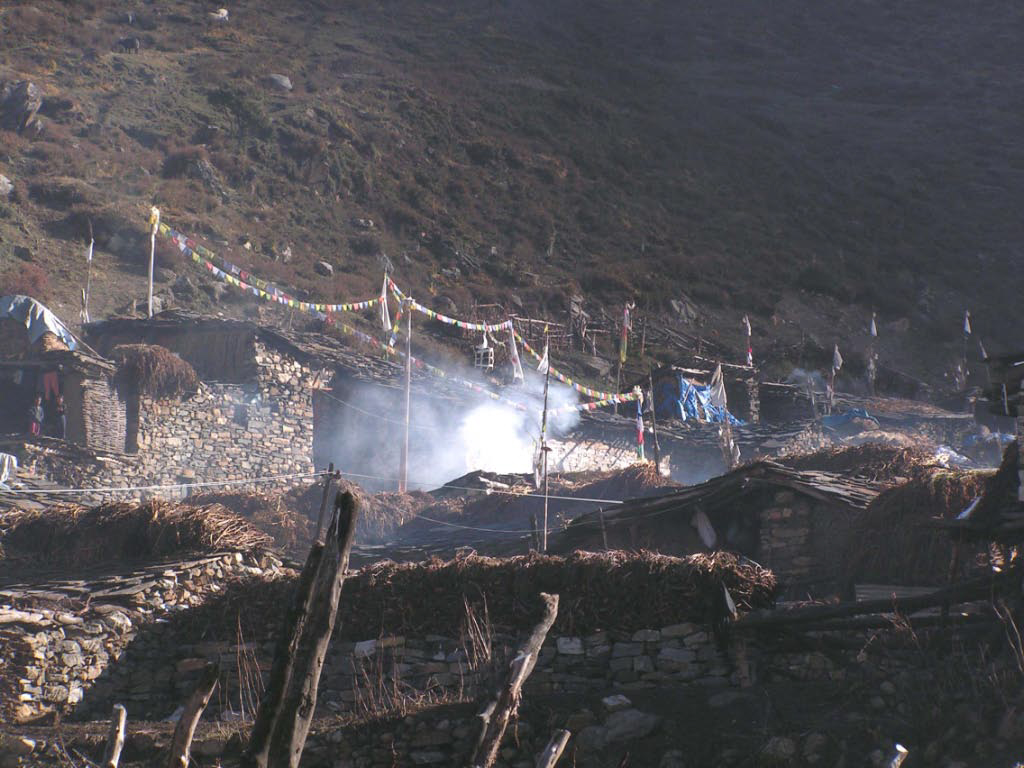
pixel 39 357
pixel 269 402
pixel 795 523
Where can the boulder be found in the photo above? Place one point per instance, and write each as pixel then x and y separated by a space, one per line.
pixel 630 724
pixel 19 102
pixel 280 82
pixel 779 751
pixel 183 287
pixel 323 268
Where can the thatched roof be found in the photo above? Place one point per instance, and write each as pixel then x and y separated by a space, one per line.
pixel 154 370
pixel 896 540
pixel 999 513
pixel 871 461
pixel 71 535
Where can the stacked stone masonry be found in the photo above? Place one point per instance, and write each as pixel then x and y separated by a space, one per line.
pixel 223 431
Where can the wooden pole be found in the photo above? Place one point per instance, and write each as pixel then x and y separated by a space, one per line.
pixel 181 743
pixel 965 590
pixel 403 467
pixel 299 702
pixel 88 277
pixel 286 709
pixel 549 757
pixel 654 424
pixel 115 739
pixel 323 501
pixel 544 453
pixel 495 717
pixel 154 223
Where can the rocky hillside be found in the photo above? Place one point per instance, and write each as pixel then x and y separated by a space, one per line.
pixel 800 162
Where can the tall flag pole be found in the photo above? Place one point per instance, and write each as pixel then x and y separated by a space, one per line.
pixel 154 225
pixel 872 356
pixel 544 442
pixel 623 348
pixel 403 469
pixel 385 316
pixel 88 277
pixel 640 424
pixel 750 348
pixel 964 371
pixel 730 451
pixel 837 364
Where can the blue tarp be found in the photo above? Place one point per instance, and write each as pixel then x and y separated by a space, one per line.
pixel 836 420
pixel 679 398
pixel 36 318
pixel 995 437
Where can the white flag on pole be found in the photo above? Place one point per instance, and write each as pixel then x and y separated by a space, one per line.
pixel 981 349
pixel 543 367
pixel 88 253
pixel 837 359
pixel 967 322
pixel 513 353
pixel 385 316
pixel 717 393
pixel 874 328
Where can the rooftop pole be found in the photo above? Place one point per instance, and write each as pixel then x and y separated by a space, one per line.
pixel 403 468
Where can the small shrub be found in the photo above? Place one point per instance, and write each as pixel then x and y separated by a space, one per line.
pixel 178 160
pixel 27 280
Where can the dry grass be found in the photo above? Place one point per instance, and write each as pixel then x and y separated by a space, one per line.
pixel 598 591
pixel 154 370
pixel 893 541
pixel 70 535
pixel 871 461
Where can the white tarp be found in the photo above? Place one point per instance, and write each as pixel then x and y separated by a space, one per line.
pixel 36 318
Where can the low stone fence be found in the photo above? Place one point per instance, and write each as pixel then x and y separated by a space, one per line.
pixel 60 639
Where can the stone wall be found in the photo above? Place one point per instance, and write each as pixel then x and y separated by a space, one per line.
pixel 589 454
pixel 223 431
pixel 141 640
pixel 53 650
pixel 803 540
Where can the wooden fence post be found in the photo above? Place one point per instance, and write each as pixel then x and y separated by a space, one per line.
pixel 186 728
pixel 287 708
pixel 497 714
pixel 549 757
pixel 115 739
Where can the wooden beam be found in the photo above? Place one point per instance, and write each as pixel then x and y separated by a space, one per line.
pixel 115 739
pixel 966 590
pixel 553 751
pixel 186 728
pixel 496 715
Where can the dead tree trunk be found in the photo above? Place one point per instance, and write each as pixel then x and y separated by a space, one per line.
pixel 289 702
pixel 186 728
pixel 497 714
pixel 115 739
pixel 549 757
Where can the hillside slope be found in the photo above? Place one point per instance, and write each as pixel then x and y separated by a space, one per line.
pixel 796 161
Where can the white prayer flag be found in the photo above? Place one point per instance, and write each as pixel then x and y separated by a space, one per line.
pixel 874 328
pixel 543 367
pixel 513 352
pixel 718 398
pixel 746 324
pixel 385 316
pixel 88 253
pixel 967 322
pixel 981 349
pixel 837 359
